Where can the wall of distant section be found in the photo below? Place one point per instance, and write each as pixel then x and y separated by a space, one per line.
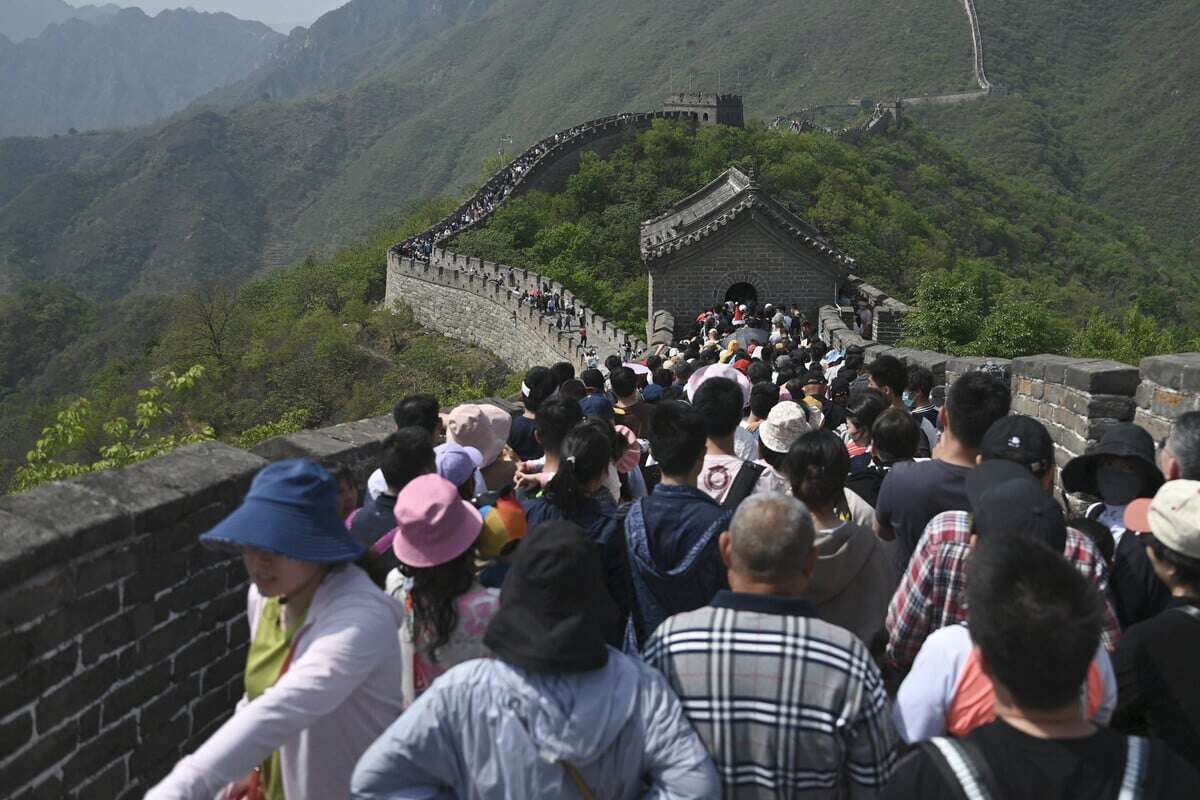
pixel 472 300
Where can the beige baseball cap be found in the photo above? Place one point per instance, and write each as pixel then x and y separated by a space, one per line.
pixel 1173 516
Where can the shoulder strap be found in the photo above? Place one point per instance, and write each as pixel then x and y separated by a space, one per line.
pixel 577 779
pixel 958 768
pixel 1133 782
pixel 743 484
pixel 1191 611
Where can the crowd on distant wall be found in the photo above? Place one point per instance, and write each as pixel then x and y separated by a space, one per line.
pixel 498 189
pixel 746 565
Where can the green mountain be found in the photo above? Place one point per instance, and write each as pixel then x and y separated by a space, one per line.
pixel 1104 103
pixel 123 70
pixel 230 191
pixel 24 19
pixel 381 103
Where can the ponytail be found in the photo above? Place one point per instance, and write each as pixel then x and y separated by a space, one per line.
pixel 587 451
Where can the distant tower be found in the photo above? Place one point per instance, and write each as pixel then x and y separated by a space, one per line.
pixel 707 109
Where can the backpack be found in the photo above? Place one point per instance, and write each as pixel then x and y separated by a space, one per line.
pixel 967 772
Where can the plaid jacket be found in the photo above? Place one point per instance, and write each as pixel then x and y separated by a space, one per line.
pixel 933 593
pixel 788 706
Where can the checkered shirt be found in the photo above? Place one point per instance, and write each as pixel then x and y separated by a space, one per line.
pixel 788 706
pixel 933 592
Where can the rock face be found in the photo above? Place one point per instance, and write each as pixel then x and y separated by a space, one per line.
pixel 123 69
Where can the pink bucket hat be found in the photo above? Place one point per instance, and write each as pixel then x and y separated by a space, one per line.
pixel 480 426
pixel 433 524
pixel 718 371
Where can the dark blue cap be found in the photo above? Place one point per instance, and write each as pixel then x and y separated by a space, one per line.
pixel 597 405
pixel 291 510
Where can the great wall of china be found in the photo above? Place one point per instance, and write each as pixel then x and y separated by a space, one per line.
pixel 122 642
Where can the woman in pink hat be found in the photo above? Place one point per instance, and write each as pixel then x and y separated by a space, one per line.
pixel 446 608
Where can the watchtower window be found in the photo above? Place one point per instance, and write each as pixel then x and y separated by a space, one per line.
pixel 706 117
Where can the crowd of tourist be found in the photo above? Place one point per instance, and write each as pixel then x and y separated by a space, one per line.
pixel 497 189
pixel 745 566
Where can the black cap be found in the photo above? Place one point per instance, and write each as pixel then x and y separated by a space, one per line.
pixel 815 376
pixel 555 611
pixel 839 386
pixel 1006 499
pixel 1021 439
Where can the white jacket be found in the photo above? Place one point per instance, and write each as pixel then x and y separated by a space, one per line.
pixel 340 693
pixel 489 731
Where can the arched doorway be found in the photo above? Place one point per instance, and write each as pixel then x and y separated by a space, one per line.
pixel 742 293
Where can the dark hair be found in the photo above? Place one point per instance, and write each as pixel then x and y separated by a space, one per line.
pixel 593 379
pixel 561 372
pixel 341 473
pixel 554 420
pixel 816 465
pixel 786 374
pixel 853 362
pixel 720 401
pixel 709 356
pixel 896 435
pixel 586 453
pixel 537 381
pixel 1187 569
pixel 420 410
pixel 663 377
pixel 612 362
pixel 1034 618
pixel 920 379
pixel 406 454
pixel 1184 444
pixel 795 388
pixel 759 371
pixel 974 402
pixel 864 407
pixel 677 437
pixel 572 390
pixel 653 362
pixel 623 380
pixel 675 391
pixel 889 372
pixel 435 592
pixel 683 372
pixel 763 397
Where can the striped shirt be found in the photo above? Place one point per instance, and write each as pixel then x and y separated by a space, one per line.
pixel 788 706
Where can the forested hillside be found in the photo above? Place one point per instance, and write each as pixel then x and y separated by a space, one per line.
pixel 227 192
pixel 1104 102
pixel 123 69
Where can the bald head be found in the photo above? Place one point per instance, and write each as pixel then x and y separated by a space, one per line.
pixel 770 538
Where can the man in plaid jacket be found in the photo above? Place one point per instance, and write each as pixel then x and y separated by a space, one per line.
pixel 788 705
pixel 932 593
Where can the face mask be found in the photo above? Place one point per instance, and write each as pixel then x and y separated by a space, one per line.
pixel 906 398
pixel 1116 487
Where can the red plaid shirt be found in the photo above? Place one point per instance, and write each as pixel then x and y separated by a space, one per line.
pixel 933 593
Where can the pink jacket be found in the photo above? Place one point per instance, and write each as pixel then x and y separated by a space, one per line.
pixel 342 690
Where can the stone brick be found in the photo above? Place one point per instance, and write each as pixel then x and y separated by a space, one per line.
pixel 162 642
pixel 1054 393
pixel 23 687
pixel 1179 371
pixel 136 691
pixel 75 617
pixel 76 694
pixel 1170 404
pixel 100 752
pixel 1156 426
pixel 1111 406
pixel 160 749
pixel 119 632
pixel 26 602
pixel 107 783
pixel 200 652
pixel 227 667
pixel 1102 377
pixel 40 756
pixel 16 733
pixel 160 711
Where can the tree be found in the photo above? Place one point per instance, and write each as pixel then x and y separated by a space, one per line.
pixel 80 441
pixel 1136 337
pixel 1017 326
pixel 948 313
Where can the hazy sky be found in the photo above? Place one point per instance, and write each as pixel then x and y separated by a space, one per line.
pixel 281 14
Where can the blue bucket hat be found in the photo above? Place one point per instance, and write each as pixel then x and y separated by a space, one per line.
pixel 291 509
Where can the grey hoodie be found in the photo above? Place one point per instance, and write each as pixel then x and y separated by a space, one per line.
pixel 853 581
pixel 488 730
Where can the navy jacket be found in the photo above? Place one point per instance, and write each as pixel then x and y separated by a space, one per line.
pixel 671 560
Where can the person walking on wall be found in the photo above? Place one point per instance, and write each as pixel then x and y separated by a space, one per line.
pixel 323 674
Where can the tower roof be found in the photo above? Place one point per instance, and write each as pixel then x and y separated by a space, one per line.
pixel 716 205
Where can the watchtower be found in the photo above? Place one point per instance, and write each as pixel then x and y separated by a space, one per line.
pixel 707 109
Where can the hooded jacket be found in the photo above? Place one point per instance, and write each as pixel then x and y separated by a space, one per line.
pixel 853 581
pixel 673 557
pixel 340 693
pixel 490 731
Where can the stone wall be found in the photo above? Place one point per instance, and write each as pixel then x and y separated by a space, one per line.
pixel 1077 399
pixel 743 252
pixel 888 312
pixel 122 641
pixel 470 299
